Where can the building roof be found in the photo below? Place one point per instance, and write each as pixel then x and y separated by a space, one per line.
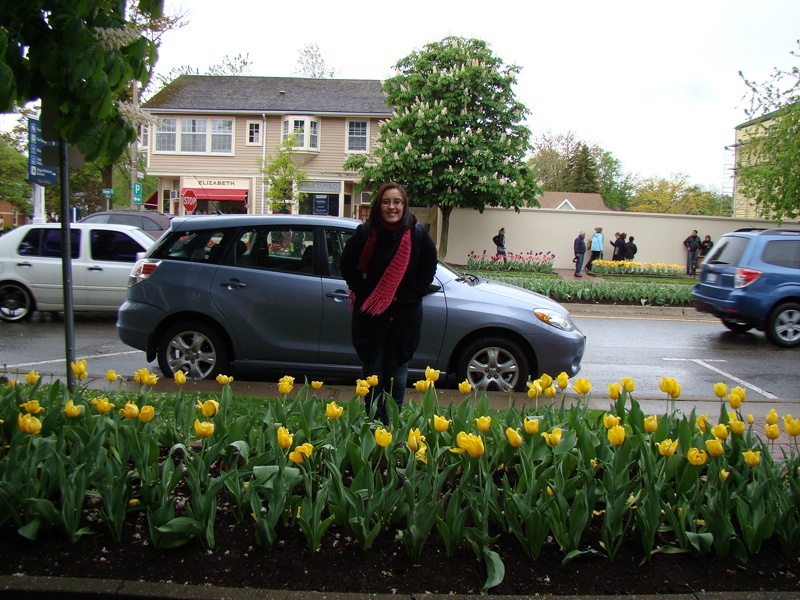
pixel 572 201
pixel 284 95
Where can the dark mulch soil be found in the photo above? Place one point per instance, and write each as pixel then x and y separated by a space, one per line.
pixel 342 567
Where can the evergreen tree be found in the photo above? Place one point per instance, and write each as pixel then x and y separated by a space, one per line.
pixel 582 171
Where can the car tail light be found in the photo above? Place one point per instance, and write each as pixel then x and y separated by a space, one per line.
pixel 745 277
pixel 142 270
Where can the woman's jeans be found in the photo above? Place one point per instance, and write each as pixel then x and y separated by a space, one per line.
pixel 392 378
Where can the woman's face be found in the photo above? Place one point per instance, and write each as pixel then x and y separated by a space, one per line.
pixel 392 206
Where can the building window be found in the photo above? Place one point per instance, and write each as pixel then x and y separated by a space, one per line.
pixel 221 136
pixel 166 135
pixel 298 126
pixel 253 133
pixel 193 135
pixel 357 135
pixel 144 137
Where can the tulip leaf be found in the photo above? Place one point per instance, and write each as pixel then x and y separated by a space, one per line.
pixel 495 569
pixel 701 542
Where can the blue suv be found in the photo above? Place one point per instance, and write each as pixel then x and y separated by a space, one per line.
pixel 751 279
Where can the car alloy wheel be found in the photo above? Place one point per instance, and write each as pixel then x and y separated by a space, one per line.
pixel 16 303
pixel 494 364
pixel 783 328
pixel 195 348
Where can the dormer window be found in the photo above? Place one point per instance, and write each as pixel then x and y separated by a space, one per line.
pixel 305 131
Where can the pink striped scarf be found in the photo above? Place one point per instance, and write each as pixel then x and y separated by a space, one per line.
pixel 382 296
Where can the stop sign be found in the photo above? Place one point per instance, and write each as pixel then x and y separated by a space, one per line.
pixel 189 201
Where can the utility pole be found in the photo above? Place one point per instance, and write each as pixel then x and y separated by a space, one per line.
pixel 136 188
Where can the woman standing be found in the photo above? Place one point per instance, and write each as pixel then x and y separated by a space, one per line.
pixel 388 264
pixel 596 248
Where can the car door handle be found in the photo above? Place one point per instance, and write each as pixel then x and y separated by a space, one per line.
pixel 25 264
pixel 233 283
pixel 338 295
pixel 94 268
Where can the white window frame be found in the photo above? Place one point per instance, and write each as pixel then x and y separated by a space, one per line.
pixel 350 138
pixel 167 130
pixel 221 131
pixel 194 136
pixel 306 131
pixel 253 127
pixel 144 136
pixel 211 131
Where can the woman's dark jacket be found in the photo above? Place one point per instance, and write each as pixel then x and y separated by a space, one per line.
pixel 402 321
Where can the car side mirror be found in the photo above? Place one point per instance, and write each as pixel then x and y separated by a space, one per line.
pixel 434 287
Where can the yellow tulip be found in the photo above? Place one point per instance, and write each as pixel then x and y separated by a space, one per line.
pixel 27 423
pixel 420 455
pixel 471 443
pixel 667 447
pixel 440 424
pixel 362 390
pixel 714 447
pixel 553 438
pixel 72 410
pixel 545 381
pixel 382 437
pixel 179 377
pixel 772 416
pixel 750 419
pixel 514 438
pixel 140 376
pixel 734 399
pixel 209 408
pixel 531 426
pixel 736 426
pixel 697 457
pixel 616 435
pixel 550 391
pixel 739 391
pixel 772 431
pixel 316 384
pixel 415 439
pixel 203 428
pixel 562 380
pixel 651 424
pixel 702 422
pixel 146 414
pixel 465 387
pixel 32 378
pixel 610 420
pixel 285 379
pixel 550 491
pixel 284 438
pixel 79 369
pixel 129 411
pixel 284 387
pixel 723 474
pixel 629 384
pixel 431 374
pixel 791 425
pixel 301 453
pixel 422 385
pixel 720 389
pixel 614 390
pixel 534 389
pixel 111 376
pixel 152 379
pixel 32 407
pixel 667 385
pixel 372 380
pixel 720 431
pixel 483 423
pixel 11 383
pixel 333 410
pixel 751 458
pixel 582 386
pixel 102 405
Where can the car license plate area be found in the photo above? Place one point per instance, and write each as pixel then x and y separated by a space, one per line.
pixel 711 278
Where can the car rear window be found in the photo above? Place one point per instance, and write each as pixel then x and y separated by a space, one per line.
pixel 782 253
pixel 205 246
pixel 47 242
pixel 728 251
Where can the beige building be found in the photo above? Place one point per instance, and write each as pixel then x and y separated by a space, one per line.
pixel 213 133
pixel 743 207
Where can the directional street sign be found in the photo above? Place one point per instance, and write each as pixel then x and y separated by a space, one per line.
pixel 37 171
pixel 137 192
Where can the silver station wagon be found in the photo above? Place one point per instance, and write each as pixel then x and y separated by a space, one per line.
pixel 263 294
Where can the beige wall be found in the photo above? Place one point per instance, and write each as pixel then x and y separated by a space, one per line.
pixel 658 237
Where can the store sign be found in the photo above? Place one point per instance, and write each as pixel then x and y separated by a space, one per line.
pixel 320 187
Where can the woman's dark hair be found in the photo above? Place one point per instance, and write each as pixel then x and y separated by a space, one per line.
pixel 408 219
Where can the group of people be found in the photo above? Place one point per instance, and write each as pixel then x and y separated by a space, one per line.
pixel 696 250
pixel 623 249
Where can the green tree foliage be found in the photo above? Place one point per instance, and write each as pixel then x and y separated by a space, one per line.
pixel 282 176
pixel 582 171
pixel 616 186
pixel 14 186
pixel 76 57
pixel 676 196
pixel 455 138
pixel 311 64
pixel 551 153
pixel 768 162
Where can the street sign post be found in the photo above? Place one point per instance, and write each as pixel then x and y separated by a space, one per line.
pixel 189 201
pixel 37 171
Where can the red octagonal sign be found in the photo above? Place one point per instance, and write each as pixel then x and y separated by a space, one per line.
pixel 189 201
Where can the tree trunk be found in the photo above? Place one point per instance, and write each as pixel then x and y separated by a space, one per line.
pixel 446 210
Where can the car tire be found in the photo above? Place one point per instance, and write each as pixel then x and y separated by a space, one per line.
pixel 783 326
pixel 197 349
pixel 737 326
pixel 493 364
pixel 16 303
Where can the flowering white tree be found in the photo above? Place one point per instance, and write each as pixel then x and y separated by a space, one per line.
pixel 455 138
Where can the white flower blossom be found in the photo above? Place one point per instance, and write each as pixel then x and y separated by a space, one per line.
pixel 134 115
pixel 111 38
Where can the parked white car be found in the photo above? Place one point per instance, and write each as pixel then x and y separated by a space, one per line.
pixel 31 269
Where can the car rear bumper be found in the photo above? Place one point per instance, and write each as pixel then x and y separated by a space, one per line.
pixel 134 321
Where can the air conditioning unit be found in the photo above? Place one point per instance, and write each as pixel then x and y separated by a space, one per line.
pixel 173 194
pixel 365 197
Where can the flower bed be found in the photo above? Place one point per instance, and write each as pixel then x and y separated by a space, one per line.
pixel 528 262
pixel 630 267
pixel 698 484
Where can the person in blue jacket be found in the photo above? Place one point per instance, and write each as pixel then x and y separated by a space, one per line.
pixel 596 248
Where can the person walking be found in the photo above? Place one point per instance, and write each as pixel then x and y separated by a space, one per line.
pixel 630 249
pixel 692 244
pixel 579 247
pixel 500 241
pixel 596 248
pixel 388 264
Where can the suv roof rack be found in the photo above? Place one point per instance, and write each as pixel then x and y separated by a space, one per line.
pixel 777 231
pixel 746 229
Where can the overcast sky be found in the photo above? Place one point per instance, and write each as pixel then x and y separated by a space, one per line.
pixel 655 83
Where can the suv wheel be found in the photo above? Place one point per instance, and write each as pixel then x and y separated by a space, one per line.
pixel 737 326
pixel 494 364
pixel 783 328
pixel 194 348
pixel 16 303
